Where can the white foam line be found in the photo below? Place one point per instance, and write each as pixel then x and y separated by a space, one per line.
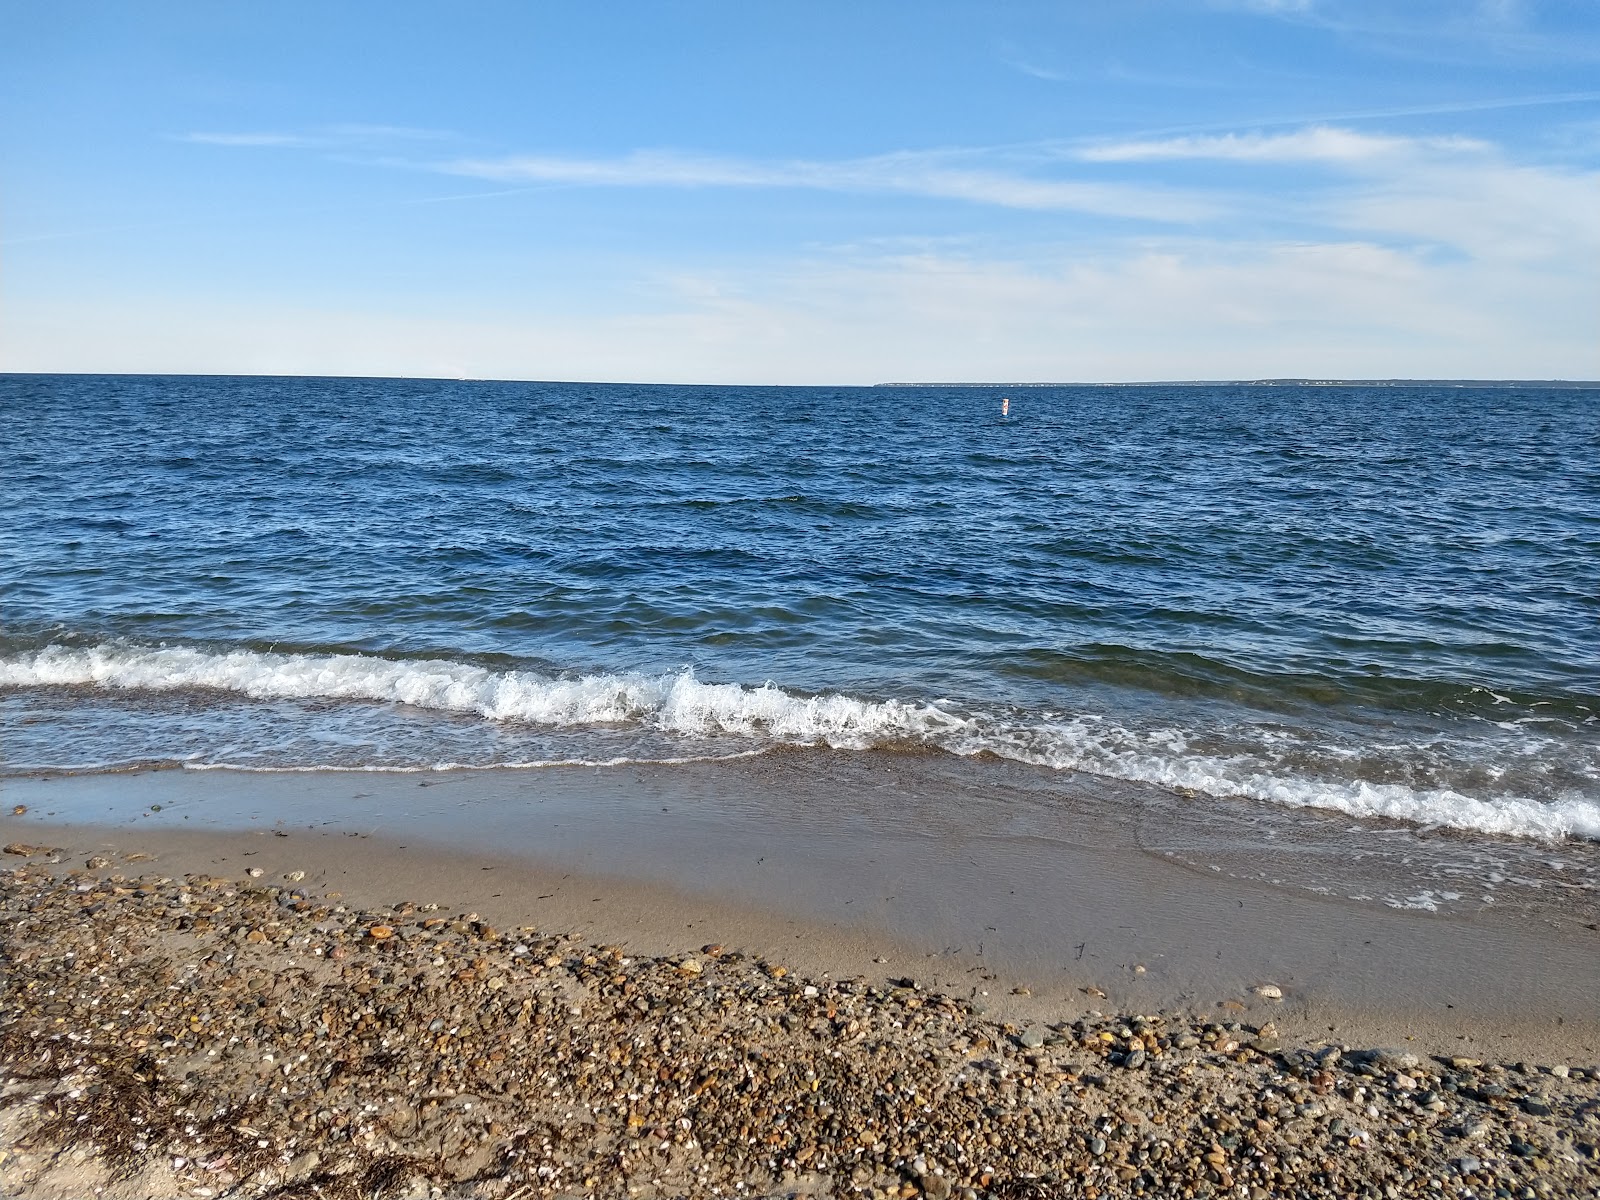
pixel 682 705
pixel 532 764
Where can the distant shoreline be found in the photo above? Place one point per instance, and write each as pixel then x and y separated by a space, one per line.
pixel 1561 384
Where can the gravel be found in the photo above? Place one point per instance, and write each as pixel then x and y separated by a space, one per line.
pixel 223 1037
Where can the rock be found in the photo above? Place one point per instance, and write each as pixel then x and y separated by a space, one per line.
pixel 1097 1146
pixel 18 809
pixel 1268 991
pixel 380 933
pixel 294 876
pixel 935 1187
pixel 1266 1045
pixel 1467 1164
pixel 1536 1106
pixel 1389 1059
pixel 255 872
pixel 23 850
pixel 97 862
pixel 1033 1037
pixel 1560 1071
pixel 1134 1059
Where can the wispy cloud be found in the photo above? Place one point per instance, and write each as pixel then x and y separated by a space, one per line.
pixel 1438 30
pixel 1038 72
pixel 291 140
pixel 944 175
pixel 325 137
pixel 1268 7
pixel 1318 144
pixel 1455 192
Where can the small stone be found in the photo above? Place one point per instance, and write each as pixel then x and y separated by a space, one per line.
pixel 935 1187
pixel 1033 1037
pixel 18 809
pixel 1135 1059
pixel 1464 1064
pixel 1268 991
pixel 1097 1146
pixel 97 862
pixel 255 872
pixel 1560 1071
pixel 1467 1164
pixel 690 966
pixel 380 933
pixel 294 876
pixel 1393 1060
pixel 1536 1106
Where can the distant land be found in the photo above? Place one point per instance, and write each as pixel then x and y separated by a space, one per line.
pixel 1449 383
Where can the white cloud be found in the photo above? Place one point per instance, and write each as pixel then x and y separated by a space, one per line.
pixel 326 137
pixel 291 140
pixel 1268 7
pixel 1317 144
pixel 932 174
pixel 1186 309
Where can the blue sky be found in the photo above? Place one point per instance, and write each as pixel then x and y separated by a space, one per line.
pixel 850 192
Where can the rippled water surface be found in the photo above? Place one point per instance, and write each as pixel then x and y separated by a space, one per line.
pixel 1377 601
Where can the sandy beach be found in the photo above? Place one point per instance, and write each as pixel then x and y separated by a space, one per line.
pixel 601 989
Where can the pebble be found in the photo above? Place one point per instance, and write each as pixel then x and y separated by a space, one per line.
pixel 1268 991
pixel 255 872
pixel 413 1047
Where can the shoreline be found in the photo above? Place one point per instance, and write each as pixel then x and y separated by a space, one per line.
pixel 253 1014
pixel 909 861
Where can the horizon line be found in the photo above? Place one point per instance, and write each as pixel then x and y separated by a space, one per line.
pixel 1260 381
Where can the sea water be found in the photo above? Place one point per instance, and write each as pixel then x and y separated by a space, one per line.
pixel 1376 602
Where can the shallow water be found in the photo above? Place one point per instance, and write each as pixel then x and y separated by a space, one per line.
pixel 1380 602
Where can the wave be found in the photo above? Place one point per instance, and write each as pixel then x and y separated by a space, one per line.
pixel 682 705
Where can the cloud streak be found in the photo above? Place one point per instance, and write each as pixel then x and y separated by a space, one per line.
pixel 933 175
pixel 1318 144
pixel 327 137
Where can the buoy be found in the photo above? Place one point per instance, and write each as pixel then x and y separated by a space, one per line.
pixel 1005 406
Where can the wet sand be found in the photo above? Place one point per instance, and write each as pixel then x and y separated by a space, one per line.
pixel 975 896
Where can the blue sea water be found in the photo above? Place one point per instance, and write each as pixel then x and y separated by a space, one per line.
pixel 1377 601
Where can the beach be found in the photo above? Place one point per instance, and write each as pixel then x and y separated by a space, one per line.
pixel 441 1003
pixel 472 788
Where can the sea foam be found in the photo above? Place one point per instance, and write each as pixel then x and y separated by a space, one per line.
pixel 683 705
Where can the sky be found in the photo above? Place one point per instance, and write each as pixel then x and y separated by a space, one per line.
pixel 828 192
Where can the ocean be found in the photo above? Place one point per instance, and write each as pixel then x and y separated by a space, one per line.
pixel 1378 604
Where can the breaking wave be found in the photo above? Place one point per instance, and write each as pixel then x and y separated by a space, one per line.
pixel 681 705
